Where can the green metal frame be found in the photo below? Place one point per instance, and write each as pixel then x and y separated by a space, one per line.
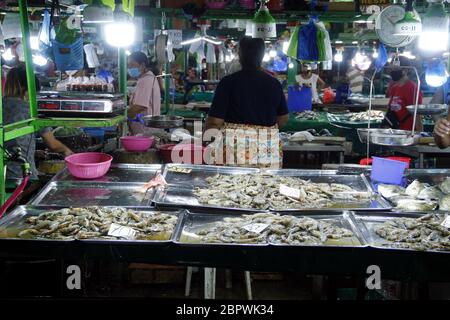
pixel 24 127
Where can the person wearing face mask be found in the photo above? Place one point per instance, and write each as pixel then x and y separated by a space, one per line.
pixel 16 108
pixel 146 98
pixel 401 93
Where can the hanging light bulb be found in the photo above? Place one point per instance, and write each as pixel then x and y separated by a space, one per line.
pixel 122 31
pixel 285 47
pixel 375 53
pixel 361 61
pixel 7 55
pixel 408 54
pixel 264 25
pixel 338 57
pixel 272 53
pixel 34 43
pixel 436 74
pixel 39 60
pixel 291 65
pixel 434 36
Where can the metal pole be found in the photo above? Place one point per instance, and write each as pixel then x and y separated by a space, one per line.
pixel 23 14
pixel 370 111
pixel 123 88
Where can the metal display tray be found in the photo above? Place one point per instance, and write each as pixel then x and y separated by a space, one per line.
pixel 118 173
pixel 198 174
pixel 179 193
pixel 194 222
pixel 366 222
pixel 430 176
pixel 76 194
pixel 15 221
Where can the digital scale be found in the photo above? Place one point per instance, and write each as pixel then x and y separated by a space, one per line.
pixel 79 104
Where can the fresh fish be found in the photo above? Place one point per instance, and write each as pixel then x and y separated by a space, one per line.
pixel 389 191
pixel 414 188
pixel 430 193
pixel 445 185
pixel 397 199
pixel 444 203
pixel 416 205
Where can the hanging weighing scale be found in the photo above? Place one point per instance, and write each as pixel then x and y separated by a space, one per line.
pixel 385 27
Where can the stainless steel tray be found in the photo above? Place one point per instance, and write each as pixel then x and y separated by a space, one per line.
pixel 194 222
pixel 366 222
pixel 388 137
pixel 118 173
pixel 181 195
pixel 163 122
pixel 14 222
pixel 198 174
pixel 433 177
pixel 75 194
pixel 428 109
pixel 430 176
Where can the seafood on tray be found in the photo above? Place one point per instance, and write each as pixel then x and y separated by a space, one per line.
pixel 260 191
pixel 306 115
pixel 418 196
pixel 375 115
pixel 263 228
pixel 96 223
pixel 424 233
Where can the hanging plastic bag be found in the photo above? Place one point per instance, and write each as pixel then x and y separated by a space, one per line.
pixel 210 53
pixel 326 44
pixel 382 58
pixel 307 43
pixel 46 32
pixel 299 99
pixel 293 43
pixel 328 95
pixel 321 44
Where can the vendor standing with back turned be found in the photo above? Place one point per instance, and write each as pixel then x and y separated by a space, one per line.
pixel 146 98
pixel 248 105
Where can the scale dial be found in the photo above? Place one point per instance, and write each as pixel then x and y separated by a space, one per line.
pixel 385 27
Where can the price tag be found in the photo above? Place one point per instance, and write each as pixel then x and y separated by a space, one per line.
pixel 256 227
pixel 116 230
pixel 446 222
pixel 289 192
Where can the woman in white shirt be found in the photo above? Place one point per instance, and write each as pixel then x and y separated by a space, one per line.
pixel 311 80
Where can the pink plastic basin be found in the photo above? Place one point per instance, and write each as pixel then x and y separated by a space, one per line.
pixel 137 144
pixel 88 165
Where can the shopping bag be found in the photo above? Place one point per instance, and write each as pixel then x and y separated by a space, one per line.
pixel 293 43
pixel 307 43
pixel 382 58
pixel 299 98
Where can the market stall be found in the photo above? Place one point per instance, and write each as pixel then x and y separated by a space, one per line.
pixel 147 192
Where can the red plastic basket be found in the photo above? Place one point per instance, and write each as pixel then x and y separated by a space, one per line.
pixel 368 161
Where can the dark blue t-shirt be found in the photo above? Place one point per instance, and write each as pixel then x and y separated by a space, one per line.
pixel 249 97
